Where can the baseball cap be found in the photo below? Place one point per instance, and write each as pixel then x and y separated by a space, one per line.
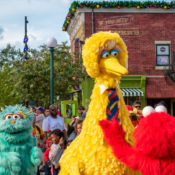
pixel 40 108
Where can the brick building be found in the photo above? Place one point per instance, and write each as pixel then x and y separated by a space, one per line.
pixel 149 33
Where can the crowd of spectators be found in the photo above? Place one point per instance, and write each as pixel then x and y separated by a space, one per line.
pixel 53 136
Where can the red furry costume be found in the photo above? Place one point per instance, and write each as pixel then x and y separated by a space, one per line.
pixel 154 150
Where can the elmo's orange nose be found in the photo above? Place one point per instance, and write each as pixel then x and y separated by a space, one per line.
pixel 13 122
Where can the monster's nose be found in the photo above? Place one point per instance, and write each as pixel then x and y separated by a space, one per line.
pixel 13 122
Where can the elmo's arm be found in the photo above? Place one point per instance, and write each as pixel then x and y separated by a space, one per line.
pixel 114 136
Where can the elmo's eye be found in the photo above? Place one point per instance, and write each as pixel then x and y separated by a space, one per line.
pixel 16 117
pixel 7 117
pixel 104 54
pixel 114 52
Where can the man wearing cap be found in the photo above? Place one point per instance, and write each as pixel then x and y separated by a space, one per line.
pixel 39 116
pixel 54 121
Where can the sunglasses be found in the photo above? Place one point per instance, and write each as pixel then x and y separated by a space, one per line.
pixel 137 106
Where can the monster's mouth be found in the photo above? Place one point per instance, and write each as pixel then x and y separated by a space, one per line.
pixel 17 132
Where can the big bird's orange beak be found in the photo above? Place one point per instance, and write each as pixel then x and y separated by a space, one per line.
pixel 111 65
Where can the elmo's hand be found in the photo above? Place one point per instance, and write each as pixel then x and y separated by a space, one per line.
pixel 112 130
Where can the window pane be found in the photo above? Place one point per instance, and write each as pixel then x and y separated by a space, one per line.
pixel 162 50
pixel 162 60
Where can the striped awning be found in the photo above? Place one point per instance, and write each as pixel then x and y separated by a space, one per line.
pixel 132 92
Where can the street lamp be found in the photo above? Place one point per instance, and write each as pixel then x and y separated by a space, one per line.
pixel 51 43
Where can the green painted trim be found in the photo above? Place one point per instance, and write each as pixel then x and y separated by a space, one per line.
pixel 135 81
pixel 87 87
pixel 74 104
pixel 172 110
pixel 131 81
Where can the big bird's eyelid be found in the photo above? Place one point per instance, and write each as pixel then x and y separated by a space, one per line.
pixel 117 48
pixel 104 54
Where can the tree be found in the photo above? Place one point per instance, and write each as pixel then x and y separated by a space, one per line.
pixel 30 80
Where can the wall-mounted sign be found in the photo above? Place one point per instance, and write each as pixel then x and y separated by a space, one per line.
pixel 163 50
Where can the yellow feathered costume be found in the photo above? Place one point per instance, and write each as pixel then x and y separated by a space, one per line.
pixel 89 154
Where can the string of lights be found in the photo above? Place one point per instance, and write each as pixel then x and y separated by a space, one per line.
pixel 25 40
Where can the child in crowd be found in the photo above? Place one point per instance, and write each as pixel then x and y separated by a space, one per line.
pixel 46 162
pixel 78 127
pixel 39 116
pixel 56 150
pixel 46 112
pixel 38 133
pixel 71 126
pixel 77 131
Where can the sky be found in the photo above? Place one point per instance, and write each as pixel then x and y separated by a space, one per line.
pixel 45 17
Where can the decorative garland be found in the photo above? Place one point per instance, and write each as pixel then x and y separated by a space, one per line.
pixel 114 4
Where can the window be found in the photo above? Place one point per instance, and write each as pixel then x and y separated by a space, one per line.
pixel 162 54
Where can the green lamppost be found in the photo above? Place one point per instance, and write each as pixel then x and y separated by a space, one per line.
pixel 51 44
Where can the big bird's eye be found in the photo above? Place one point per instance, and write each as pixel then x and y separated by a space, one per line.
pixel 7 117
pixel 114 52
pixel 16 116
pixel 104 54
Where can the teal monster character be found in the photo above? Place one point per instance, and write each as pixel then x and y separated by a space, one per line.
pixel 19 154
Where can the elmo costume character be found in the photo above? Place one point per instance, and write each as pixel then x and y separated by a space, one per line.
pixel 154 149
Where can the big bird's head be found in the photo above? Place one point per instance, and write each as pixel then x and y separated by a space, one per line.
pixel 105 56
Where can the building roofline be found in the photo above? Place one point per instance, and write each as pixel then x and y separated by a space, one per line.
pixel 118 7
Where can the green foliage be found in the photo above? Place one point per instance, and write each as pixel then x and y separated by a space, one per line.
pixel 30 80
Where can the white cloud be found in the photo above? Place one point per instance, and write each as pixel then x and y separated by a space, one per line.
pixel 1 33
pixel 66 2
pixel 45 20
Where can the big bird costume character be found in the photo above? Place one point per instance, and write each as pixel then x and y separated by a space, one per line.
pixel 104 56
pixel 19 154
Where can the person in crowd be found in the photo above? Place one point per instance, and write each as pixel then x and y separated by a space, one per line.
pixel 137 108
pixel 71 126
pixel 82 111
pixel 46 112
pixel 40 116
pixel 54 121
pixel 46 162
pixel 76 132
pixel 134 119
pixel 38 133
pixel 133 115
pixel 137 104
pixel 33 109
pixel 56 150
pixel 59 112
pixel 78 127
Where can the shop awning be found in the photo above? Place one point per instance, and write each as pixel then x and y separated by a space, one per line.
pixel 132 92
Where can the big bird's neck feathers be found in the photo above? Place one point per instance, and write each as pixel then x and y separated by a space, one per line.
pixel 108 81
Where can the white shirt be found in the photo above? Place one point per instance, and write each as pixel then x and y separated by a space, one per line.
pixel 51 123
pixel 55 153
pixel 39 120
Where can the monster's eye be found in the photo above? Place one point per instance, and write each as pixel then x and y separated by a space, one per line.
pixel 8 116
pixel 104 54
pixel 15 116
pixel 114 52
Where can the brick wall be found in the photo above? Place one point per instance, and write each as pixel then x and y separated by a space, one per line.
pixel 140 31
